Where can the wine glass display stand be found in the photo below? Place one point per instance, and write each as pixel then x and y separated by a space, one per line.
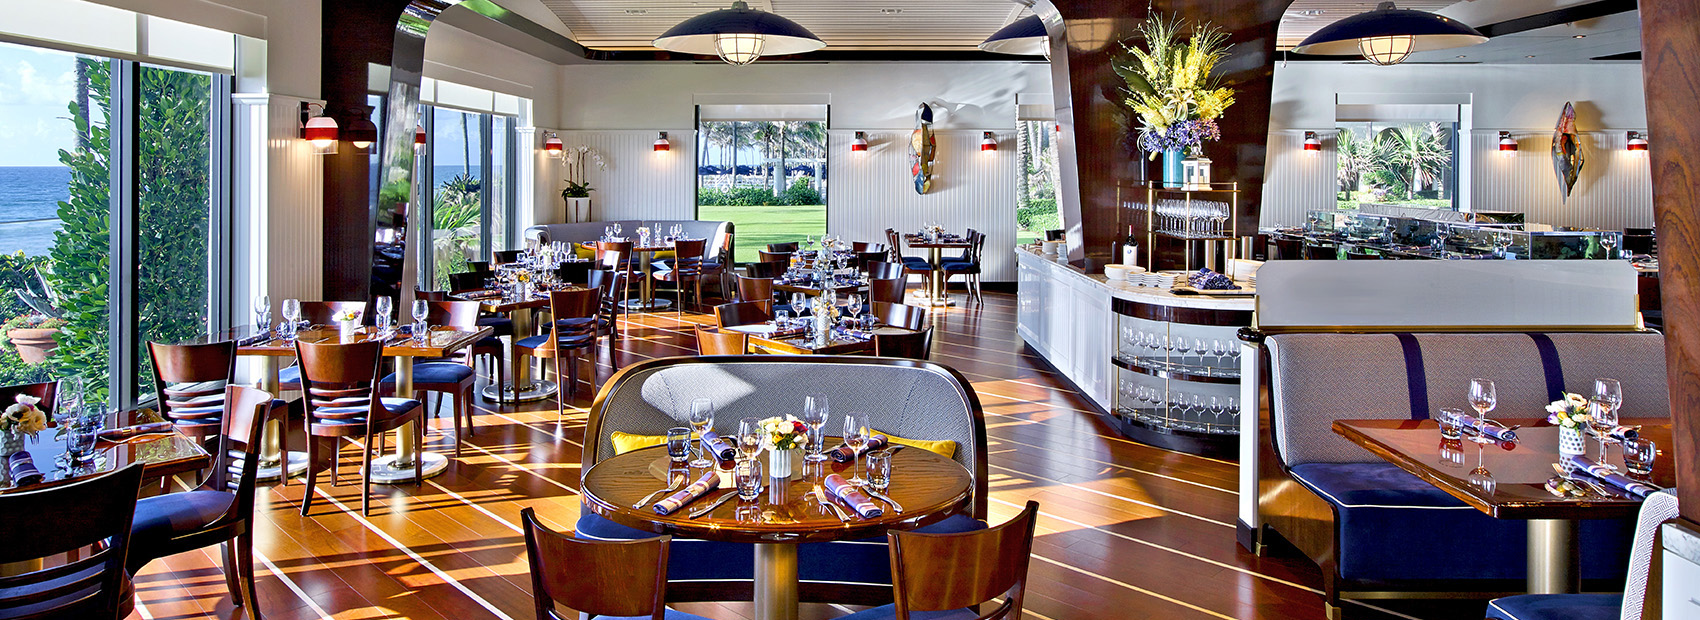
pixel 1190 213
pixel 1168 392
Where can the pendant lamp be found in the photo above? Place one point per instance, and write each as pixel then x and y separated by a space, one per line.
pixel 739 35
pixel 1388 35
pixel 1024 37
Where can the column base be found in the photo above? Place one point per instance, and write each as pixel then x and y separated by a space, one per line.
pixel 384 470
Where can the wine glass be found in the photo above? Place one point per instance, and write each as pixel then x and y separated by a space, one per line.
pixel 1609 241
pixel 1220 348
pixel 1602 412
pixel 702 419
pixel 799 303
pixel 816 408
pixel 262 315
pixel 855 305
pixel 292 314
pixel 383 305
pixel 1182 346
pixel 70 400
pixel 749 438
pixel 856 435
pixel 1482 397
pixel 421 310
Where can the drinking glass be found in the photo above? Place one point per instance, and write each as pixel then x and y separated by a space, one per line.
pixel 1638 455
pixel 292 314
pixel 421 310
pixel 382 305
pixel 816 408
pixel 855 305
pixel 1602 418
pixel 70 397
pixel 856 434
pixel 1220 348
pixel 1482 397
pixel 702 419
pixel 1609 392
pixel 749 438
pixel 678 444
pixel 1215 408
pixel 867 321
pixel 262 315
pixel 879 470
pixel 781 318
pixel 799 303
pixel 1182 347
pixel 748 476
pixel 1451 422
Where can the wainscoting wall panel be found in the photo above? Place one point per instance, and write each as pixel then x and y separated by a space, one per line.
pixel 638 183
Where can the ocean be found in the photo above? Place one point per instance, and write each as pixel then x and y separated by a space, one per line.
pixel 29 206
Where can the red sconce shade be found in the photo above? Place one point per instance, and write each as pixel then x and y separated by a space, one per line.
pixel 320 130
pixel 552 145
pixel 860 144
pixel 1507 145
pixel 987 142
pixel 362 133
pixel 661 143
pixel 1637 142
pixel 1313 144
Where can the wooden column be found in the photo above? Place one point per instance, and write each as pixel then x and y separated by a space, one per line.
pixel 1670 40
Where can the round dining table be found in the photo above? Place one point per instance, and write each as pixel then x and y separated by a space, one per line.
pixel 927 485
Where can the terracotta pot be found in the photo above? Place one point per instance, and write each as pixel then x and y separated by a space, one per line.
pixel 34 344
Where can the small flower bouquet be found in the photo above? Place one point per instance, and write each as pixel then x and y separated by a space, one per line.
pixel 1571 412
pixel 346 315
pixel 785 433
pixel 22 419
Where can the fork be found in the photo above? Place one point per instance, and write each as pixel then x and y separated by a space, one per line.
pixel 823 500
pixel 676 484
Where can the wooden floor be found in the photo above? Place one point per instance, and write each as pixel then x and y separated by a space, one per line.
pixel 1127 531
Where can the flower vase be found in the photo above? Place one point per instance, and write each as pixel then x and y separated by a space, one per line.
pixel 1174 169
pixel 348 329
pixel 1571 442
pixel 779 463
pixel 11 442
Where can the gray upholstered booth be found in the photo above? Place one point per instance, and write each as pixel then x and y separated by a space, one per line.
pixel 911 399
pixel 1377 531
pixel 718 234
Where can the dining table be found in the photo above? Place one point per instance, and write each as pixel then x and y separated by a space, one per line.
pixel 645 255
pixel 164 452
pixel 1515 485
pixel 768 338
pixel 522 309
pixel 935 245
pixel 928 486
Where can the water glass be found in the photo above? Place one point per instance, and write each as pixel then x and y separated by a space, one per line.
pixel 1638 455
pixel 816 409
pixel 781 318
pixel 421 311
pixel 748 476
pixel 879 469
pixel 262 315
pixel 749 438
pixel 292 316
pixel 84 432
pixel 678 444
pixel 382 305
pixel 1451 422
pixel 702 419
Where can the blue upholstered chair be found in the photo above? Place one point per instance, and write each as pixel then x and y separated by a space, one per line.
pixel 911 264
pixel 453 377
pixel 341 398
pixel 87 522
pixel 915 400
pixel 968 264
pixel 947 576
pixel 575 572
pixel 1659 508
pixel 1371 526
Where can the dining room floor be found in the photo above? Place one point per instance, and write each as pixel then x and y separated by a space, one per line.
pixel 1126 530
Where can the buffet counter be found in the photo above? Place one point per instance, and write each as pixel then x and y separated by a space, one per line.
pixel 1161 366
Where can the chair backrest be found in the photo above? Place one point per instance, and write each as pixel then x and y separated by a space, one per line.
pixel 461 315
pixel 574 272
pixel 1316 378
pixel 906 398
pixel 503 257
pixel 1321 252
pixel 916 345
pixel 430 295
pixel 340 380
pixel 469 281
pixel 895 244
pixel 47 392
pixel 189 379
pixel 774 257
pixel 688 257
pixel 1361 255
pixel 867 246
pixel 614 255
pixel 887 290
pixel 478 266
pixel 1655 511
pixel 899 315
pixel 572 310
pixel 93 516
pixel 766 269
pixel 755 289
pixel 863 259
pixel 782 248
pixel 743 313
pixel 597 577
pixel 885 271
pixel 236 466
pixel 713 341
pixel 940 572
pixel 323 312
pixel 1288 249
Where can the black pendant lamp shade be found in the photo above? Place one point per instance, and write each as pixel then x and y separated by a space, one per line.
pixel 1025 36
pixel 1387 35
pixel 739 35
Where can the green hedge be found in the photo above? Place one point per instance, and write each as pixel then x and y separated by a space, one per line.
pixel 801 192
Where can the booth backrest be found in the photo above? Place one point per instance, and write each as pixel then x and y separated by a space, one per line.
pixel 909 399
pixel 1316 378
pixel 714 232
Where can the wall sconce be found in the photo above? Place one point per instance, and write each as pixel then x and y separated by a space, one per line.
pixel 1313 144
pixel 860 144
pixel 662 145
pixel 320 131
pixel 1507 145
pixel 987 142
pixel 552 145
pixel 418 137
pixel 1637 142
pixel 362 133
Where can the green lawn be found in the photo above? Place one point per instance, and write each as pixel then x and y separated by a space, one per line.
pixel 758 226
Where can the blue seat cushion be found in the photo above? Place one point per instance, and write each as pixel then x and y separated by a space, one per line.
pixel 960 266
pixel 1556 607
pixel 396 406
pixel 916 262
pixel 689 559
pixel 160 518
pixel 1393 526
pixel 867 560
pixel 669 614
pixel 503 326
pixel 436 372
pixel 543 339
pixel 889 612
pixel 289 376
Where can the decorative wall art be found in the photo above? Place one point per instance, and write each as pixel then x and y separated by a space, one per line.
pixel 923 146
pixel 1567 158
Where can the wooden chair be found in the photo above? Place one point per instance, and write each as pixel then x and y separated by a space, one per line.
pixel 600 579
pixel 743 313
pixel 969 265
pixel 456 376
pixel 900 315
pixel 917 345
pixel 714 341
pixel 608 282
pixel 1362 255
pixel 1321 252
pixel 774 257
pixel 911 264
pixel 886 290
pixel 221 510
pixel 958 572
pixel 1287 249
pixel 755 289
pixel 782 248
pixel 885 271
pixel 479 266
pixel 687 267
pixel 87 522
pixel 766 270
pixel 863 259
pixel 189 380
pixel 341 382
pixel 574 329
pixel 867 246
pixel 503 257
pixel 469 281
pixel 617 256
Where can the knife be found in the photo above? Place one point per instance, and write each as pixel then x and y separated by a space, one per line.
pixel 883 497
pixel 710 508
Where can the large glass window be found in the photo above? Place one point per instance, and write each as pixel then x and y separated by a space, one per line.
pixel 1412 164
pixel 1036 185
pixel 766 177
pixel 468 172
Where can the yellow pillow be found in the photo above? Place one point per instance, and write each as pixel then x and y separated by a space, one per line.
pixel 665 254
pixel 583 252
pixel 943 447
pixel 627 442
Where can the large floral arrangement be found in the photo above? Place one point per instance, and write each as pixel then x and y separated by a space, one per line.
pixel 1570 412
pixel 1170 85
pixel 785 433
pixel 24 417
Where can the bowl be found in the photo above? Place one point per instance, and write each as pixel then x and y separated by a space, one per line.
pixel 1052 246
pixel 1115 272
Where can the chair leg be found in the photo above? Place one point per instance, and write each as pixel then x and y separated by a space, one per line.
pixel 366 476
pixel 419 463
pixel 460 405
pixel 245 555
pixel 232 569
pixel 312 472
pixel 282 415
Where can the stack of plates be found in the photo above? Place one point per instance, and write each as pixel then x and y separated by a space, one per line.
pixel 1152 279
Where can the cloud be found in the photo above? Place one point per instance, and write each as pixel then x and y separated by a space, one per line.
pixel 22 83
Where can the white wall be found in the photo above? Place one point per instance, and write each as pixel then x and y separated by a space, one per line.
pixel 455 55
pixel 1615 189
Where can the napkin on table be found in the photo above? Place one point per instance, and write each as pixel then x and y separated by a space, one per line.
pixel 843 453
pixel 1499 433
pixel 859 501
pixel 1639 489
pixel 708 482
pixel 719 446
pixel 22 467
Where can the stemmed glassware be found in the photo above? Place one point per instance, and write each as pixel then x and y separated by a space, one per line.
pixel 799 303
pixel 855 306
pixel 702 419
pixel 1441 232
pixel 749 438
pixel 1608 398
pixel 70 402
pixel 1608 241
pixel 262 315
pixel 292 315
pixel 1483 397
pixel 816 409
pixel 421 310
pixel 856 434
pixel 383 305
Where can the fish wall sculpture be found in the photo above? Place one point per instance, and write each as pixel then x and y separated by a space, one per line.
pixel 923 147
pixel 1567 157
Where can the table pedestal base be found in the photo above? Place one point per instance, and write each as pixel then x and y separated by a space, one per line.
pixel 297 466
pixel 537 390
pixel 385 471
pixel 776 581
pixel 646 306
pixel 1552 559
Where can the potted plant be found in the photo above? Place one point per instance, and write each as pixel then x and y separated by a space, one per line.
pixel 577 192
pixel 1170 87
pixel 32 335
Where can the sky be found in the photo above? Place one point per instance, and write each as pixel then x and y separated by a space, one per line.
pixel 35 87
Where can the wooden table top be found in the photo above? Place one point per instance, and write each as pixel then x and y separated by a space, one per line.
pixel 161 455
pixel 816 290
pixel 916 241
pixel 760 338
pixel 496 302
pixel 929 486
pixel 443 341
pixel 1520 474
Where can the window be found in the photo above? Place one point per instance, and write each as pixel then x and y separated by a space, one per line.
pixel 468 171
pixel 1036 185
pixel 1409 163
pixel 767 177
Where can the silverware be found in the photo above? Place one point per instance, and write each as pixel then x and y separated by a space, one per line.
pixel 678 481
pixel 710 508
pixel 822 499
pixel 884 498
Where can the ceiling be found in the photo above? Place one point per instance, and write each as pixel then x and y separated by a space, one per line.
pixel 1570 43
pixel 842 24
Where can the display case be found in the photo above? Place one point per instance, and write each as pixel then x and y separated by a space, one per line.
pixel 1486 237
pixel 1206 213
pixel 1177 376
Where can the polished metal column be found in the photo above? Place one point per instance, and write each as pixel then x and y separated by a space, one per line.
pixel 776 581
pixel 1552 557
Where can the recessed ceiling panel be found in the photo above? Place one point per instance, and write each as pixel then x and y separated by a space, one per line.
pixel 842 24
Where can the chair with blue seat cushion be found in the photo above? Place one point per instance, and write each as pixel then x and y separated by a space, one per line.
pixel 608 579
pixel 190 379
pixel 453 378
pixel 1655 511
pixel 221 510
pixel 574 329
pixel 85 528
pixel 917 400
pixel 947 576
pixel 968 264
pixel 342 401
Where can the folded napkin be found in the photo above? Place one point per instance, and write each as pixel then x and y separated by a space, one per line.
pixel 718 446
pixel 254 339
pixel 858 501
pixel 708 482
pixel 843 453
pixel 1639 489
pixel 121 434
pixel 787 332
pixel 1497 432
pixel 1624 433
pixel 22 467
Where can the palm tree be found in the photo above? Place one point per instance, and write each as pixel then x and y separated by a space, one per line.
pixel 1356 159
pixel 1419 151
pixel 767 134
